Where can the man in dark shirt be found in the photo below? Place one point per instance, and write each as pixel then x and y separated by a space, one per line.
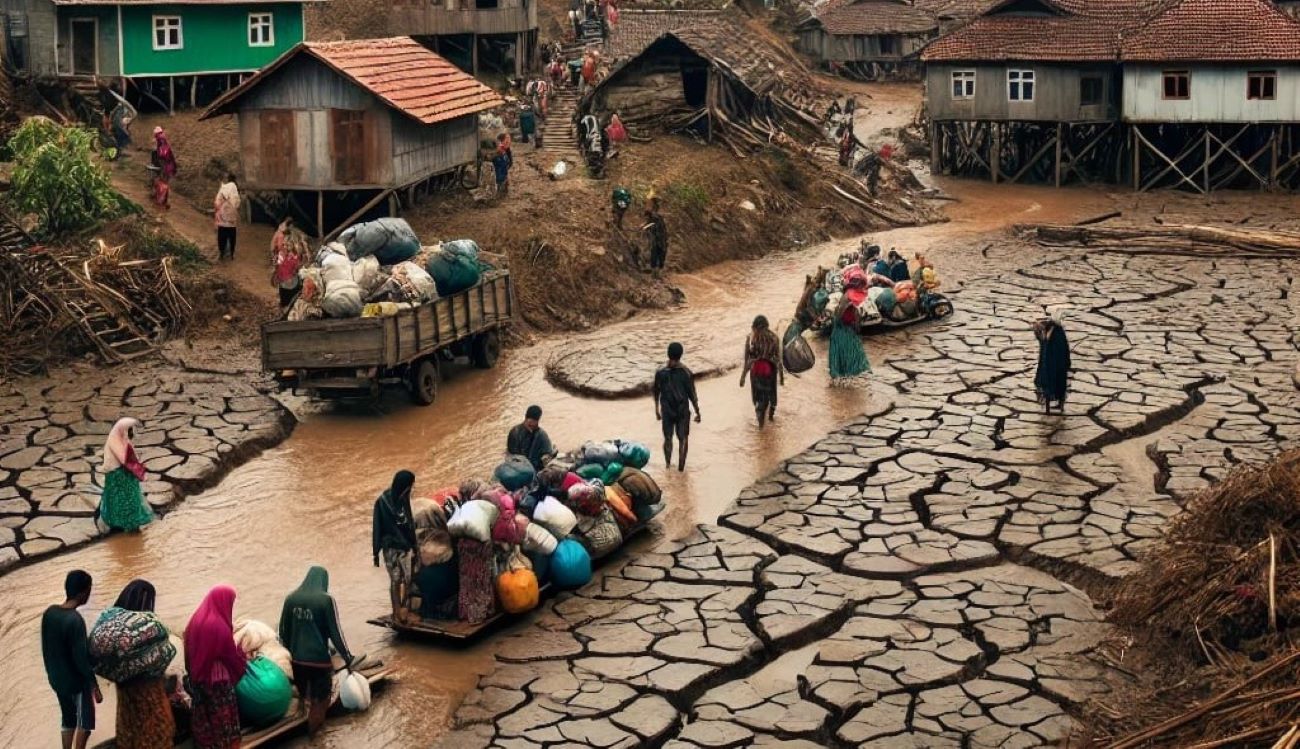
pixel 674 395
pixel 658 231
pixel 530 440
pixel 67 661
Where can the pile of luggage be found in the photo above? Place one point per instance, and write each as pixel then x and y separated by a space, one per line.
pixel 266 689
pixel 876 296
pixel 377 268
pixel 532 528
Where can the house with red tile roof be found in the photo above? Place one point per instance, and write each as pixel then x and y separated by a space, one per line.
pixel 333 125
pixel 1192 93
pixel 867 39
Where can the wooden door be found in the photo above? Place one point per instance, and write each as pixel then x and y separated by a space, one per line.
pixel 348 136
pixel 85 46
pixel 279 146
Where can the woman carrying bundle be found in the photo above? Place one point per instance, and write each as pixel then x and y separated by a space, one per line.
pixel 763 367
pixel 144 714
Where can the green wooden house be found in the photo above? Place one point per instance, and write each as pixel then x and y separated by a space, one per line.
pixel 177 53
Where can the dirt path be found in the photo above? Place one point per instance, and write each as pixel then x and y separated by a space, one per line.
pixel 251 266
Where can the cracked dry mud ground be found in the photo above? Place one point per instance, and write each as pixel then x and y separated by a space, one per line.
pixel 906 581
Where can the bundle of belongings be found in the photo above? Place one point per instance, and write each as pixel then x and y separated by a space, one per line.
pixel 880 288
pixel 378 268
pixel 266 689
pixel 489 547
pixel 125 645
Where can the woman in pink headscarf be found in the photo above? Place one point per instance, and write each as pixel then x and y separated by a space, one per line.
pixel 122 504
pixel 213 665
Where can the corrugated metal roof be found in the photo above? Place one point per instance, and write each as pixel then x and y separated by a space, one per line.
pixel 398 71
pixel 872 17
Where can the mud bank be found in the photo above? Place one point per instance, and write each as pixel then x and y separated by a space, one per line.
pixel 196 428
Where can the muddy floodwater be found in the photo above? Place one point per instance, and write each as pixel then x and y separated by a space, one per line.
pixel 309 500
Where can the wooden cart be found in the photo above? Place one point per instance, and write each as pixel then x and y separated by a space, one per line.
pixel 357 356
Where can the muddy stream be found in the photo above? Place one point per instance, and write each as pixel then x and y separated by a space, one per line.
pixel 309 500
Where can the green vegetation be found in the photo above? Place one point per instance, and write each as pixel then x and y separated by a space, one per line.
pixel 57 178
pixel 687 195
pixel 146 242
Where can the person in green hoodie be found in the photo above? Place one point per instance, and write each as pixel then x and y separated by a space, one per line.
pixel 309 622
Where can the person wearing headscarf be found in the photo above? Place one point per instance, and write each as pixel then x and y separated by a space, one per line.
pixel 164 160
pixel 122 504
pixel 1051 380
pixel 309 623
pixel 393 534
pixel 144 713
pixel 847 357
pixel 763 367
pixel 214 664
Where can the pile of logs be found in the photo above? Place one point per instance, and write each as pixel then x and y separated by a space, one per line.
pixel 1168 239
pixel 54 305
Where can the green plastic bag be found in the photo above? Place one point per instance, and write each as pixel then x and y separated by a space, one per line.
pixel 633 454
pixel 591 471
pixel 263 693
pixel 612 472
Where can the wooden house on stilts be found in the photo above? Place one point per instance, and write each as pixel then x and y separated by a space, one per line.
pixel 350 127
pixel 1202 94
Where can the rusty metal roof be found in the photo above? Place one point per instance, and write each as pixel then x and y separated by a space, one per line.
pixel 398 71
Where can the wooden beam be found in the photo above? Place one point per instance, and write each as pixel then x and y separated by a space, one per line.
pixel 1173 164
pixel 383 194
pixel 995 156
pixel 320 215
pixel 1055 141
pixel 1059 135
pixel 1072 163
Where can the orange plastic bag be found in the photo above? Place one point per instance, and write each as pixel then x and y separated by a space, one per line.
pixel 517 590
pixel 442 495
pixel 905 291
pixel 621 504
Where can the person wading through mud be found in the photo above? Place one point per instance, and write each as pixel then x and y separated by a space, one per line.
pixel 530 440
pixel 67 661
pixel 225 208
pixel 763 367
pixel 674 395
pixel 1051 380
pixel 309 622
pixel 393 534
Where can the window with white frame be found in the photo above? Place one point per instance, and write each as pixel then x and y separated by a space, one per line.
pixel 1020 85
pixel 963 84
pixel 261 31
pixel 167 32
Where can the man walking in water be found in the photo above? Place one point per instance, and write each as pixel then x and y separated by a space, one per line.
pixel 67 661
pixel 674 394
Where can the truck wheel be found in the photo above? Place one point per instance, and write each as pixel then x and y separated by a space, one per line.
pixel 424 382
pixel 485 350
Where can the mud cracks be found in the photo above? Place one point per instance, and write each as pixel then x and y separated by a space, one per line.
pixel 914 579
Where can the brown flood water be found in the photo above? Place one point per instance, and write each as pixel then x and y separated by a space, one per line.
pixel 309 500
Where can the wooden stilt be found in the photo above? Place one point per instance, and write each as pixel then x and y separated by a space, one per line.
pixel 194 92
pixel 995 156
pixel 171 94
pixel 1137 158
pixel 1206 168
pixel 473 54
pixel 936 148
pixel 1060 133
pixel 320 214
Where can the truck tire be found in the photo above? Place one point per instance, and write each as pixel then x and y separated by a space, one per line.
pixel 485 350
pixel 424 382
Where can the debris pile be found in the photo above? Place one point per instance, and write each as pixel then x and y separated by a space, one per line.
pixel 57 303
pixel 1218 600
pixel 1172 239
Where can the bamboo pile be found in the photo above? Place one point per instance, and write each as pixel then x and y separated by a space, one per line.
pixel 1220 594
pixel 56 306
pixel 1173 239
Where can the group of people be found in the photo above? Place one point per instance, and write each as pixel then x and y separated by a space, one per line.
pixel 214 664
pixel 599 144
pixel 603 11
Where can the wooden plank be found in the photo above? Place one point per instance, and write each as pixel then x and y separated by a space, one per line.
pixel 253 739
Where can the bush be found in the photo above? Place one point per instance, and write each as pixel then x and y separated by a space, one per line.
pixel 688 195
pixel 57 178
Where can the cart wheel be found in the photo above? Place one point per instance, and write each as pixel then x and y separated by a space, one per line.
pixel 424 382
pixel 485 350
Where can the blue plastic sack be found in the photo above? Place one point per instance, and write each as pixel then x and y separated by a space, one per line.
pixel 453 272
pixel 390 240
pixel 633 454
pixel 263 694
pixel 514 473
pixel 570 565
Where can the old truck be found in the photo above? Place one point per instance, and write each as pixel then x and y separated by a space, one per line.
pixel 358 356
